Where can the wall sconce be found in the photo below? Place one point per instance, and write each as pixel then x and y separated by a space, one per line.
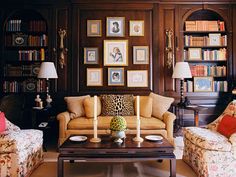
pixel 169 49
pixel 62 50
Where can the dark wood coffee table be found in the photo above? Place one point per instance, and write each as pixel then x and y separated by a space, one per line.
pixel 108 151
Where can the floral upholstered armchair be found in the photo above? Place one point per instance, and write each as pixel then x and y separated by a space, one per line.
pixel 20 151
pixel 211 151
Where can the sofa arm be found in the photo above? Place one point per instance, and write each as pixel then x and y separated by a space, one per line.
pixel 232 139
pixel 63 119
pixel 168 119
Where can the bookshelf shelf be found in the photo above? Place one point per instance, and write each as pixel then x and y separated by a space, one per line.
pixel 206 61
pixel 206 47
pixel 203 32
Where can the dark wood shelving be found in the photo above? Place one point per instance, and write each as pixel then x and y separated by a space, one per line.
pixel 206 47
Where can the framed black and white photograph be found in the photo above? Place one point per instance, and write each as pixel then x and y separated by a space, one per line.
pixel 115 27
pixel 115 52
pixel 90 55
pixel 115 76
pixel 94 28
pixel 136 28
pixel 137 78
pixel 140 54
pixel 94 77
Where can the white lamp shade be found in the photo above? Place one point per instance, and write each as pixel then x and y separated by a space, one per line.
pixel 47 70
pixel 182 70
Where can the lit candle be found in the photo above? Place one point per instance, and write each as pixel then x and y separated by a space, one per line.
pixel 95 117
pixel 138 116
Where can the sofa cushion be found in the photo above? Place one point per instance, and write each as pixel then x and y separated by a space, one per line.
pixel 160 104
pixel 122 105
pixel 89 107
pixel 145 106
pixel 82 123
pixel 75 105
pixel 227 125
pixel 207 139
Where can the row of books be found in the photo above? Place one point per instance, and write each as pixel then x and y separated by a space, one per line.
pixel 24 86
pixel 205 25
pixel 208 70
pixel 31 55
pixel 33 26
pixel 217 86
pixel 211 40
pixel 217 55
pixel 26 40
pixel 22 70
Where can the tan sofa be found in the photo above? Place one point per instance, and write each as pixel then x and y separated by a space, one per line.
pixel 151 106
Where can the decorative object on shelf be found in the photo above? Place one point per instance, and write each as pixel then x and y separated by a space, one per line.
pixel 63 51
pixel 203 84
pixel 91 55
pixel 19 40
pixel 48 100
pixel 118 127
pixel 95 138
pixel 137 78
pixel 136 28
pixel 115 76
pixel 169 48
pixel 94 77
pixel 47 71
pixel 181 71
pixel 94 28
pixel 38 101
pixel 214 39
pixel 115 26
pixel 138 138
pixel 115 52
pixel 194 54
pixel 140 54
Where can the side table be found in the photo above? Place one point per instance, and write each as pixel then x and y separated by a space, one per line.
pixel 193 107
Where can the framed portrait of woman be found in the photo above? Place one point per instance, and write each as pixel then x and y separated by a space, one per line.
pixel 115 76
pixel 115 52
pixel 115 27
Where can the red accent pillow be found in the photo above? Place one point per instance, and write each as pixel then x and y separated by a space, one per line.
pixel 2 122
pixel 227 126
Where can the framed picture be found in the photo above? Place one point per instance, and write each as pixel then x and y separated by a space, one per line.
pixel 90 55
pixel 115 52
pixel 214 39
pixel 19 40
pixel 94 28
pixel 94 77
pixel 137 78
pixel 115 26
pixel 136 28
pixel 115 76
pixel 140 54
pixel 203 84
pixel 195 54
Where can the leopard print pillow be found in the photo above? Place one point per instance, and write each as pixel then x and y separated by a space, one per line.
pixel 113 105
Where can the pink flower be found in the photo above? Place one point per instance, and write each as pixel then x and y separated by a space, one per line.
pixel 214 167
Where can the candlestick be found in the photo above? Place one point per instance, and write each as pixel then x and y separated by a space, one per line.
pixel 138 138
pixel 95 138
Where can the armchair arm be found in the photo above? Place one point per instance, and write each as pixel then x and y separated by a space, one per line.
pixel 232 139
pixel 63 119
pixel 168 119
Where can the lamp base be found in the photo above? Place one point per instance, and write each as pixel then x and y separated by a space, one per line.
pixel 95 140
pixel 138 139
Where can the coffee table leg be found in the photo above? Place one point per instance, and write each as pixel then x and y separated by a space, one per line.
pixel 60 167
pixel 173 167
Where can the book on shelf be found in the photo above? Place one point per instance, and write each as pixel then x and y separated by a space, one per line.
pixel 14 25
pixel 208 70
pixel 204 25
pixel 31 55
pixel 188 86
pixel 220 86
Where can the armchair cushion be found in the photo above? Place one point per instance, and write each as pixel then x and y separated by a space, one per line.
pixel 2 122
pixel 227 125
pixel 207 139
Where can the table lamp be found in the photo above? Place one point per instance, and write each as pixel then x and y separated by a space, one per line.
pixel 181 71
pixel 47 71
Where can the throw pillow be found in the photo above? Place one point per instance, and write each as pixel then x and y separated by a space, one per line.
pixel 89 107
pixel 145 106
pixel 2 122
pixel 75 106
pixel 160 104
pixel 113 105
pixel 227 125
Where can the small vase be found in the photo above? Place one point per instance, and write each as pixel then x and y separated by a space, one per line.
pixel 118 136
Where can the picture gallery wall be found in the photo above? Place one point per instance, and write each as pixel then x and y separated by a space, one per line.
pixel 115 50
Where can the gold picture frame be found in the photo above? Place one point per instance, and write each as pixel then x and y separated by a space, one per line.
pixel 94 77
pixel 136 27
pixel 194 54
pixel 94 28
pixel 115 52
pixel 137 78
pixel 140 54
pixel 203 84
pixel 115 27
pixel 116 76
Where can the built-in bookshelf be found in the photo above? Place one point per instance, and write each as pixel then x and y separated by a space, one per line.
pixel 205 49
pixel 25 47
